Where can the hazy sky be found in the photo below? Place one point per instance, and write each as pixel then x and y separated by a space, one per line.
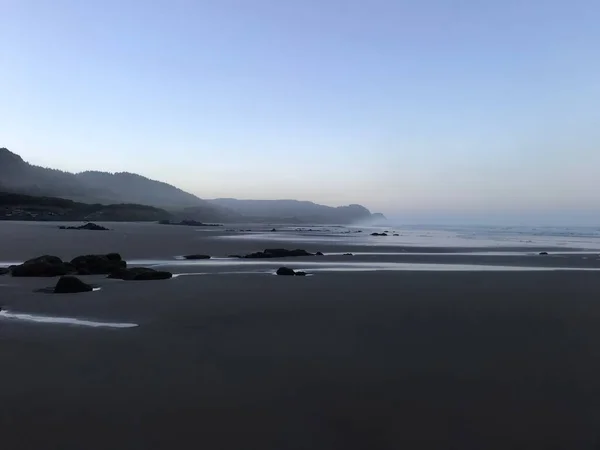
pixel 423 105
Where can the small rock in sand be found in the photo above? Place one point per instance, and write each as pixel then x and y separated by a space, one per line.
pixel 140 274
pixel 543 253
pixel 285 271
pixel 71 285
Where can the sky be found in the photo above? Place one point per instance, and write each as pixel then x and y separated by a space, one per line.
pixel 433 108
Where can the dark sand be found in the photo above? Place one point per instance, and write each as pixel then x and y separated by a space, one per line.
pixel 338 360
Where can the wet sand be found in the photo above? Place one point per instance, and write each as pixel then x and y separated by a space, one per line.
pixel 339 360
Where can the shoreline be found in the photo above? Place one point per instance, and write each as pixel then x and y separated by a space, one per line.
pixel 379 359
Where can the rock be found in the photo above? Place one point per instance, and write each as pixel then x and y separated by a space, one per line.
pixel 87 226
pixel 98 264
pixel 48 259
pixel 319 254
pixel 396 234
pixel 378 234
pixel 285 271
pixel 234 256
pixel 543 253
pixel 273 230
pixel 114 257
pixel 278 253
pixel 42 266
pixel 4 270
pixel 347 254
pixel 71 285
pixel 155 275
pixel 197 257
pixel 139 274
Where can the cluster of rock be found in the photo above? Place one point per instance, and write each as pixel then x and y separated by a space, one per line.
pixel 279 253
pixel 110 264
pixel 379 234
pixel 53 266
pixel 88 226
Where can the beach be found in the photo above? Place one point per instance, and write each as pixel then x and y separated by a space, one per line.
pixel 479 345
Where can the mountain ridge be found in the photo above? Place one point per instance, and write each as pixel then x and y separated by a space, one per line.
pixel 101 187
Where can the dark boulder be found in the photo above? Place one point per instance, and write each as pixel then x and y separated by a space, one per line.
pixel 47 259
pixel 285 271
pixel 396 234
pixel 378 234
pixel 114 257
pixel 71 285
pixel 98 264
pixel 273 230
pixel 319 254
pixel 42 266
pixel 347 254
pixel 140 274
pixel 197 256
pixel 155 275
pixel 543 253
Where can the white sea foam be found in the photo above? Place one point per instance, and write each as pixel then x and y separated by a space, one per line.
pixel 63 320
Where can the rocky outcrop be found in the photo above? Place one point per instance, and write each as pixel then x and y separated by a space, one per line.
pixel 88 226
pixel 4 270
pixel 140 274
pixel 286 271
pixel 278 253
pixel 378 234
pixel 194 257
pixel 42 266
pixel 71 285
pixel 98 264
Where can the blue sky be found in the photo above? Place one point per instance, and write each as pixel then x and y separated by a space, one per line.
pixel 409 107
